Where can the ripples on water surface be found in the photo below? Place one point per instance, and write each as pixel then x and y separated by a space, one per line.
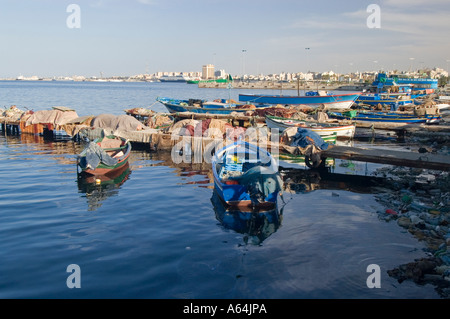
pixel 156 231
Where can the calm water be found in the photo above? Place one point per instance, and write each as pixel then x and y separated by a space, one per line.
pixel 156 230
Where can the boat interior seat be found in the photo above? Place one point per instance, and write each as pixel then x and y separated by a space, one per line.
pixel 119 154
pixel 110 143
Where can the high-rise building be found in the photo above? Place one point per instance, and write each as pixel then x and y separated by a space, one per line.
pixel 208 72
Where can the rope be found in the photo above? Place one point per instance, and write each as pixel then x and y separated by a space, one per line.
pixel 153 104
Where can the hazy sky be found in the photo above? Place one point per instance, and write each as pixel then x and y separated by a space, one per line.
pixel 118 37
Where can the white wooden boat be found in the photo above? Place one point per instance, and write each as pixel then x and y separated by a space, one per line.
pixel 323 129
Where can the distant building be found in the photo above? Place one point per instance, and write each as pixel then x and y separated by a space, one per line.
pixel 220 74
pixel 208 72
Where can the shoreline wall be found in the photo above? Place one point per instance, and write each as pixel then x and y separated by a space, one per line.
pixel 282 85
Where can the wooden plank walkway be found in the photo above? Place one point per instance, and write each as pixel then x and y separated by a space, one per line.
pixel 383 156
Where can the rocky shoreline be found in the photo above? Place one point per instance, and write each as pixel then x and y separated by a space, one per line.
pixel 418 200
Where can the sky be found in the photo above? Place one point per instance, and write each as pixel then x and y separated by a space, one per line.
pixel 127 37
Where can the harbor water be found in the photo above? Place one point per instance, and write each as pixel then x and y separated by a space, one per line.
pixel 156 230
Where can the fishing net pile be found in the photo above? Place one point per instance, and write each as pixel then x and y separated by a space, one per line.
pixel 12 113
pixel 108 124
pixel 37 122
pixel 275 111
pixel 288 111
pixel 54 117
pixel 211 128
pixel 120 123
pixel 140 111
pixel 429 107
pixel 158 121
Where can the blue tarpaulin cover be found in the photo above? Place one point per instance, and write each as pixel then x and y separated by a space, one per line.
pixel 305 137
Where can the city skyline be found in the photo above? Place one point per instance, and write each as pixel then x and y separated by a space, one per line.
pixel 120 38
pixel 434 73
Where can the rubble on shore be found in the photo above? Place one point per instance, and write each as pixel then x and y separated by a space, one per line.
pixel 418 200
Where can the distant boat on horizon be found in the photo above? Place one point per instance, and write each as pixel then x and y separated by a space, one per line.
pixel 221 80
pixel 173 78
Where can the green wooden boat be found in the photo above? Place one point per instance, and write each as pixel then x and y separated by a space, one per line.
pixel 207 81
pixel 104 155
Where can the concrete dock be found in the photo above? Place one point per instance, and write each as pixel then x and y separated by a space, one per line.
pixel 391 157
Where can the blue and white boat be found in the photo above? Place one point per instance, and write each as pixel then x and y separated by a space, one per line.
pixel 313 99
pixel 391 100
pixel 395 91
pixel 391 117
pixel 219 106
pixel 246 175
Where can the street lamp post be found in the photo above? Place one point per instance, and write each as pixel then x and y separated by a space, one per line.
pixel 214 65
pixel 243 63
pixel 411 66
pixel 307 59
pixel 307 66
pixel 447 68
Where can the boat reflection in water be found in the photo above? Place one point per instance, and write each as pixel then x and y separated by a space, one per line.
pixel 256 225
pixel 100 187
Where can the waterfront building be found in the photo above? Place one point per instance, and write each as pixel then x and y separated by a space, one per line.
pixel 208 72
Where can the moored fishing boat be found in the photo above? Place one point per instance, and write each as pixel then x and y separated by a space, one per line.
pixel 208 81
pixel 104 155
pixel 391 117
pixel 394 83
pixel 246 175
pixel 323 129
pixel 391 100
pixel 218 106
pixel 173 78
pixel 313 99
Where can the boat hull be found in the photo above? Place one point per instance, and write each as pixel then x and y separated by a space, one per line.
pixel 337 101
pixel 208 81
pixel 105 169
pixel 375 100
pixel 172 108
pixel 176 106
pixel 388 117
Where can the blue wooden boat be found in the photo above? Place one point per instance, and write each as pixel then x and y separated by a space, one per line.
pixel 391 117
pixel 246 175
pixel 313 99
pixel 219 106
pixel 414 86
pixel 391 100
pixel 396 91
